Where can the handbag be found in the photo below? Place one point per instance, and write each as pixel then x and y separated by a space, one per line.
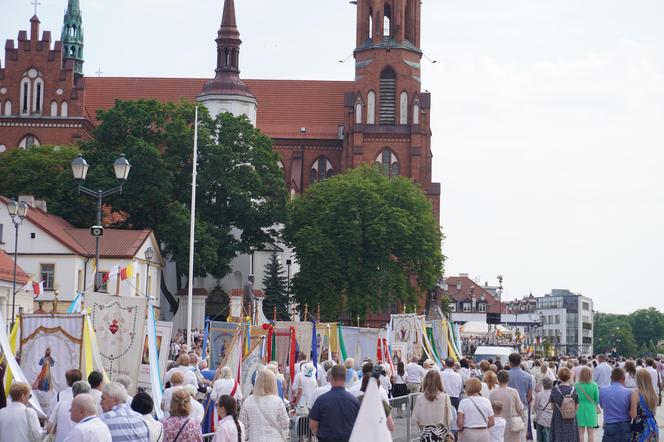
pixel 516 423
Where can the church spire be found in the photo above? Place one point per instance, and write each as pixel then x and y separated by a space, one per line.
pixel 72 36
pixel 227 79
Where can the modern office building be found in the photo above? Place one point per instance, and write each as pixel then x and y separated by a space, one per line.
pixel 566 321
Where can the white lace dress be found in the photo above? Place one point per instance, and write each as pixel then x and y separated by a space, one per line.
pixel 265 419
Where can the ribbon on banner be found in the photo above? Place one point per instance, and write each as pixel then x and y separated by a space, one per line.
pixel 329 342
pixel 89 330
pixel 206 332
pixel 12 365
pixel 342 346
pixel 75 306
pixel 155 377
pixel 293 354
pixel 314 346
pixel 424 341
pixel 270 353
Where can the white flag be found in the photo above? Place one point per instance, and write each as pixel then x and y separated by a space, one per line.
pixel 371 423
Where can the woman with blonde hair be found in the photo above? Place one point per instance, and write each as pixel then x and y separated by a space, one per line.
pixel 586 414
pixel 351 373
pixel 475 414
pixel 225 384
pixel 178 426
pixel 645 426
pixel 263 414
pixel 512 406
pixel 433 411
pixel 490 382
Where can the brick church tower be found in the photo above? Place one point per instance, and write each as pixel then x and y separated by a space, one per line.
pixel 388 115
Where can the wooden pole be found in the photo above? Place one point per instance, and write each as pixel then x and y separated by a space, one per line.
pixel 318 312
pixel 306 311
pixel 274 313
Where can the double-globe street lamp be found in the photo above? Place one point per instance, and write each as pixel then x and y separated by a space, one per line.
pixel 79 168
pixel 17 212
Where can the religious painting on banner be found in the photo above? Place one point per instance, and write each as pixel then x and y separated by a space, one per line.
pixel 119 323
pixel 398 353
pixel 404 330
pixel 163 335
pixel 251 364
pixel 49 346
pixel 221 336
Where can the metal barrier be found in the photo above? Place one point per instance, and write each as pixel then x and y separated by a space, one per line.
pixel 402 408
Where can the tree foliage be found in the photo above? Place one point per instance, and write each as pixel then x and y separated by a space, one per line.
pixel 614 332
pixel 276 294
pixel 647 326
pixel 363 241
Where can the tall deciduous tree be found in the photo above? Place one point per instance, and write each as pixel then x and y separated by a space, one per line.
pixel 648 325
pixel 276 294
pixel 363 241
pixel 613 332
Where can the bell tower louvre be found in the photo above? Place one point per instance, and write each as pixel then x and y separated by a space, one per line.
pixel 387 114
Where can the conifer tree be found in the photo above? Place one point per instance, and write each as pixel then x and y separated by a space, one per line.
pixel 276 294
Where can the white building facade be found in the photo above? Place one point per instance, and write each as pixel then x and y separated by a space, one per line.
pixel 567 321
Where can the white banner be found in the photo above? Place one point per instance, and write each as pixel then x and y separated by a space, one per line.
pixel 163 338
pixel 251 363
pixel 119 323
pixel 50 345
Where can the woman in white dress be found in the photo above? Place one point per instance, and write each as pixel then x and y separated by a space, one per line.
pixel 263 414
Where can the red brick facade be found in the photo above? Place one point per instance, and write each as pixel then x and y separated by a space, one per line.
pixel 39 95
pixel 318 127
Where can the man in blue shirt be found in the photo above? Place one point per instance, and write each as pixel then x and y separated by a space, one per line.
pixel 602 373
pixel 522 382
pixel 333 415
pixel 619 405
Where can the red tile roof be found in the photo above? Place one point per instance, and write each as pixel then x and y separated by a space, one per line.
pixel 469 288
pixel 284 106
pixel 7 270
pixel 115 243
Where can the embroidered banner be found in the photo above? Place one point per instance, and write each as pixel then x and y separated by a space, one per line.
pixel 405 331
pixel 251 363
pixel 50 345
pixel 163 342
pixel 119 323
pixel 221 335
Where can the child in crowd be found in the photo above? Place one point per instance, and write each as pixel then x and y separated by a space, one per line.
pixel 497 432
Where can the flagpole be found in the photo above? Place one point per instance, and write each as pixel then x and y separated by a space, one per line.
pixel 192 225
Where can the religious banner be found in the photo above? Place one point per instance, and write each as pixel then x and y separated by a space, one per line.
pixel 251 364
pixel 221 335
pixel 361 343
pixel 163 337
pixel 119 324
pixel 303 331
pixel 405 330
pixel 49 346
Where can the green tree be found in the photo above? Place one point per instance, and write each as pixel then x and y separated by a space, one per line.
pixel 614 332
pixel 276 294
pixel 647 324
pixel 363 241
pixel 45 172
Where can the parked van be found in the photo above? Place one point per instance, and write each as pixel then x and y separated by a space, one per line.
pixel 495 353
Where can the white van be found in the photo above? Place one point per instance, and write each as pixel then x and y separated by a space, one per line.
pixel 495 353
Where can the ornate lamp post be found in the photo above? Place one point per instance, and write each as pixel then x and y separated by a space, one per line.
pixel 79 168
pixel 18 212
pixel 149 254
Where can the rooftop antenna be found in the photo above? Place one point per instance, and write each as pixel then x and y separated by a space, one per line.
pixel 346 59
pixel 430 60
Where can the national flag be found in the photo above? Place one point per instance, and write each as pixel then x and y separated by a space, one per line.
pixel 110 274
pixel 38 288
pixel 371 423
pixel 75 306
pixel 127 272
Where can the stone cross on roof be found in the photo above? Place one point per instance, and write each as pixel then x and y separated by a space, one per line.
pixel 35 4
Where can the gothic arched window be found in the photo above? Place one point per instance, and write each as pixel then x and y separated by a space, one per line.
pixel 358 112
pixel 31 92
pixel 371 107
pixel 64 109
pixel 320 169
pixel 403 108
pixel 54 108
pixel 28 141
pixel 387 21
pixel 388 86
pixel 388 163
pixel 8 108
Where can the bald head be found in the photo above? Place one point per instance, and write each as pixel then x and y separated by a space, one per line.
pixel 83 406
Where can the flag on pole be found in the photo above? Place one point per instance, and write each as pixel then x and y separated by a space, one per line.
pixel 293 354
pixel 155 378
pixel 206 331
pixel 75 306
pixel 111 274
pixel 371 423
pixel 127 272
pixel 38 288
pixel 314 345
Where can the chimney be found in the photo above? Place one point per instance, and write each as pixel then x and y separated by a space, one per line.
pixel 34 29
pixel 28 199
pixel 41 204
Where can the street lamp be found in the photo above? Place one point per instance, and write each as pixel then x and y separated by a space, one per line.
pixel 17 212
pixel 149 254
pixel 79 168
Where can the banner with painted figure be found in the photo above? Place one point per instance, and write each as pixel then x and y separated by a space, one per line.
pixel 119 323
pixel 303 331
pixel 251 364
pixel 221 335
pixel 361 343
pixel 163 336
pixel 405 331
pixel 49 346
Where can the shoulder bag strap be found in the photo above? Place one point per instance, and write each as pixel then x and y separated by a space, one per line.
pixel 585 394
pixel 181 428
pixel 486 421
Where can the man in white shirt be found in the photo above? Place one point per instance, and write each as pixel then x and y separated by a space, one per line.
pixel 88 426
pixel 602 373
pixel 61 422
pixel 183 367
pixel 367 370
pixel 65 394
pixel 96 381
pixel 17 422
pixel 414 375
pixel 452 382
pixel 654 374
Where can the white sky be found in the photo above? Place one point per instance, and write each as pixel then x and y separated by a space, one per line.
pixel 548 118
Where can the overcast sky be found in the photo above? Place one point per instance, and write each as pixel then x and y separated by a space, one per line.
pixel 547 118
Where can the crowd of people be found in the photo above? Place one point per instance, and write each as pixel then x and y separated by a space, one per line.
pixel 549 400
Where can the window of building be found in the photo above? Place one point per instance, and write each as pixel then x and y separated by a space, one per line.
pixel 37 95
pixel 103 288
pixel 416 113
pixel 371 23
pixel 80 280
pixel 64 109
pixel 25 96
pixel 453 307
pixel 358 112
pixel 28 141
pixel 467 307
pixel 138 283
pixel 557 319
pixel 8 108
pixel 388 163
pixel 371 107
pixel 481 307
pixel 320 169
pixel 387 21
pixel 388 86
pixel 403 108
pixel 585 305
pixel 47 272
pixel 2 148
pixel 54 108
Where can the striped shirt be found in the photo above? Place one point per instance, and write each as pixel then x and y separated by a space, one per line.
pixel 126 425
